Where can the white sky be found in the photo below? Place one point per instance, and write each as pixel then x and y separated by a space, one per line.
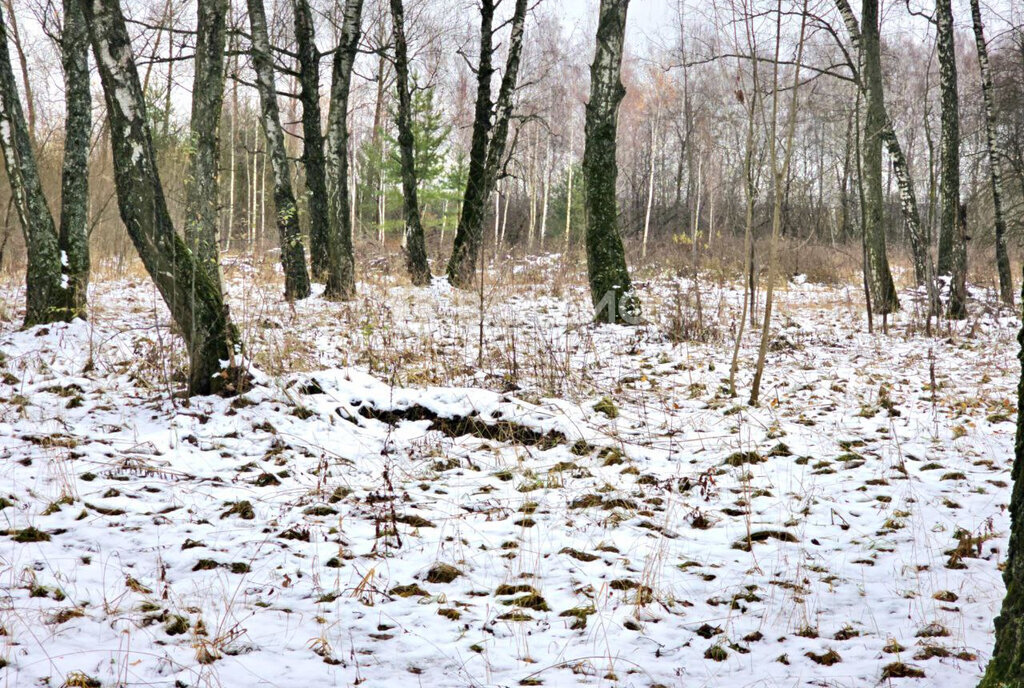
pixel 645 17
pixel 649 18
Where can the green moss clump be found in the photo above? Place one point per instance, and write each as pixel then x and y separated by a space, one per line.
pixel 30 534
pixel 741 458
pixel 442 573
pixel 607 407
pixel 242 509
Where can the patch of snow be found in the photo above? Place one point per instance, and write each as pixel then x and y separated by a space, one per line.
pixel 358 482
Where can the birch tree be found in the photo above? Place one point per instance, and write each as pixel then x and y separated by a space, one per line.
pixel 195 303
pixel 44 288
pixel 611 290
pixel 883 291
pixel 952 239
pixel 994 157
pixel 73 231
pixel 312 136
pixel 949 136
pixel 415 247
pixel 202 183
pixel 650 194
pixel 341 271
pixel 19 49
pixel 490 135
pixel 293 255
pixel 1006 668
pixel 920 240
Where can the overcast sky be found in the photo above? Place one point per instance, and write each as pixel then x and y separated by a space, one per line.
pixel 649 19
pixel 645 17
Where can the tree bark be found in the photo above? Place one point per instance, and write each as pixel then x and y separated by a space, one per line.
pixel 202 194
pixel 487 149
pixel 415 247
pixel 883 291
pixel 312 137
pixel 341 272
pixel 949 151
pixel 293 255
pixel 73 232
pixel 19 48
pixel 503 106
pixel 1006 668
pixel 469 231
pixel 194 301
pixel 610 288
pixel 45 298
pixel 920 245
pixel 994 157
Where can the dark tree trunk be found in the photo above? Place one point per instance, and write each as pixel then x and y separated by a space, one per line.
pixel 202 196
pixel 919 241
pixel 949 150
pixel 994 158
pixel 194 301
pixel 341 271
pixel 415 246
pixel 883 291
pixel 610 286
pixel 293 255
pixel 313 139
pixel 45 292
pixel 503 106
pixel 469 232
pixel 73 234
pixel 958 268
pixel 1006 668
pixel 487 149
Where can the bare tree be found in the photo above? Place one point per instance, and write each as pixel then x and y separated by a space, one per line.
pixel 45 300
pixel 920 241
pixel 879 277
pixel 312 136
pixel 202 183
pixel 490 134
pixel 751 106
pixel 194 301
pixel 779 173
pixel 995 156
pixel 650 194
pixel 19 48
pixel 293 255
pixel 415 246
pixel 341 280
pixel 952 238
pixel 73 232
pixel 1006 668
pixel 610 287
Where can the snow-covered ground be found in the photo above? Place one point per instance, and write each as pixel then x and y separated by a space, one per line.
pixel 575 505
